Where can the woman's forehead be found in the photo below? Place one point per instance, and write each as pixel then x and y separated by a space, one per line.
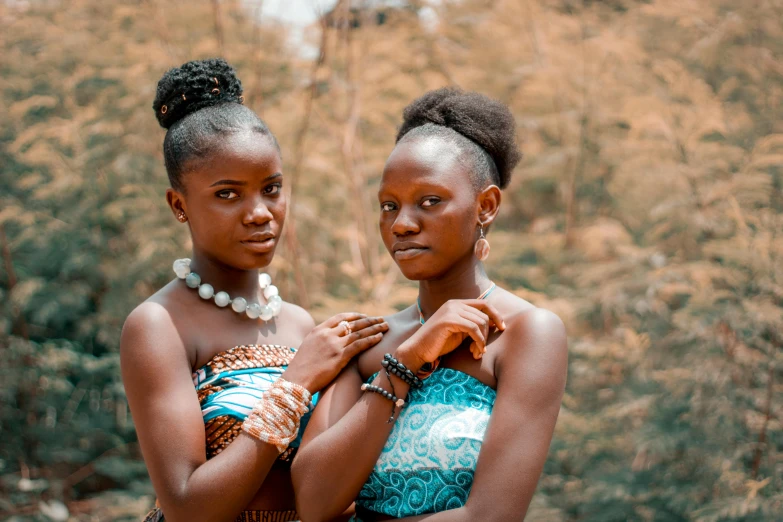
pixel 425 160
pixel 243 148
pixel 426 150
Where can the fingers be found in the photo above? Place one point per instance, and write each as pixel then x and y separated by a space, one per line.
pixel 366 322
pixel 357 347
pixel 471 327
pixel 483 322
pixel 479 317
pixel 347 316
pixel 476 351
pixel 489 310
pixel 366 332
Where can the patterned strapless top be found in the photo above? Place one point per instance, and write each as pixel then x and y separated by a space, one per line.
pixel 230 384
pixel 428 462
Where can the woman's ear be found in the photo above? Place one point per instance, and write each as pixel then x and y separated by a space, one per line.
pixel 488 205
pixel 176 202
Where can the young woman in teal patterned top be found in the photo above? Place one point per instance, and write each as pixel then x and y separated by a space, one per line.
pixel 470 443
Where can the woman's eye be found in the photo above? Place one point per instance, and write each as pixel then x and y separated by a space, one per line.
pixel 272 190
pixel 227 194
pixel 430 202
pixel 387 207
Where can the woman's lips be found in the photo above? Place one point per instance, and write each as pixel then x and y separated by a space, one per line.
pixel 409 253
pixel 261 246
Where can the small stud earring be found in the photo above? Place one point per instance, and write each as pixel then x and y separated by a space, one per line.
pixel 482 245
pixel 182 217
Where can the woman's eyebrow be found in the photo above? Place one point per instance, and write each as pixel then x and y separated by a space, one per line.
pixel 238 183
pixel 228 182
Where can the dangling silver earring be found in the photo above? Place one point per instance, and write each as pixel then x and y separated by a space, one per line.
pixel 482 245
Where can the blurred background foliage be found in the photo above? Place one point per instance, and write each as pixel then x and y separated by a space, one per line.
pixel 647 213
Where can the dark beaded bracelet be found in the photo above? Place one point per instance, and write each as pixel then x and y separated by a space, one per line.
pixel 396 402
pixel 395 367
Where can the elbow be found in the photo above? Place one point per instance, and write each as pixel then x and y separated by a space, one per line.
pixel 309 515
pixel 299 482
pixel 307 509
pixel 175 510
pixel 181 511
pixel 311 508
pixel 172 513
pixel 178 507
pixel 316 498
pixel 310 511
pixel 311 505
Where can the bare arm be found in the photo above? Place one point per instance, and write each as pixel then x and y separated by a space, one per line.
pixel 157 377
pixel 347 427
pixel 351 427
pixel 531 379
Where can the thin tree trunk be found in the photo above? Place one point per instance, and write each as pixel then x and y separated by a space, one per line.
pixel 762 442
pixel 578 171
pixel 20 323
pixel 162 30
pixel 218 26
pixel 351 145
pixel 256 97
pixel 292 244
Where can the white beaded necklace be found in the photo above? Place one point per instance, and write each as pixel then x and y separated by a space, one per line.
pixel 274 303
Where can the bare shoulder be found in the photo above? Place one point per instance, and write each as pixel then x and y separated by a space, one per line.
pixel 536 344
pixel 150 336
pixel 401 326
pixel 400 319
pixel 524 319
pixel 537 321
pixel 299 319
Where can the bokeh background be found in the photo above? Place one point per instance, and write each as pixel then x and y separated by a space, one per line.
pixel 647 212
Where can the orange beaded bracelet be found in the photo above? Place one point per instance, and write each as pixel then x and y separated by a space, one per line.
pixel 275 417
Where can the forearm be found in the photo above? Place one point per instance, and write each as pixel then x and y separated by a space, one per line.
pixel 223 486
pixel 330 470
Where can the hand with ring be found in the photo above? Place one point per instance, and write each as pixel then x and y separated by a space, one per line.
pixel 329 347
pixel 347 326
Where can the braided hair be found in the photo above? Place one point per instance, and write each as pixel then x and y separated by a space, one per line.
pixel 197 102
pixel 482 128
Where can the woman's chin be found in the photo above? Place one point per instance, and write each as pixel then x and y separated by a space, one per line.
pixel 416 273
pixel 261 261
pixel 251 260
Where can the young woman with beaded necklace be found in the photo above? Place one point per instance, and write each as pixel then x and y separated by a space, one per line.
pixel 450 416
pixel 218 425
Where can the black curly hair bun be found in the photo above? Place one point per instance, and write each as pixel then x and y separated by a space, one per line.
pixel 194 85
pixel 486 122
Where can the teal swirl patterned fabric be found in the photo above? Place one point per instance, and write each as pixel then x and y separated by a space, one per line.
pixel 428 462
